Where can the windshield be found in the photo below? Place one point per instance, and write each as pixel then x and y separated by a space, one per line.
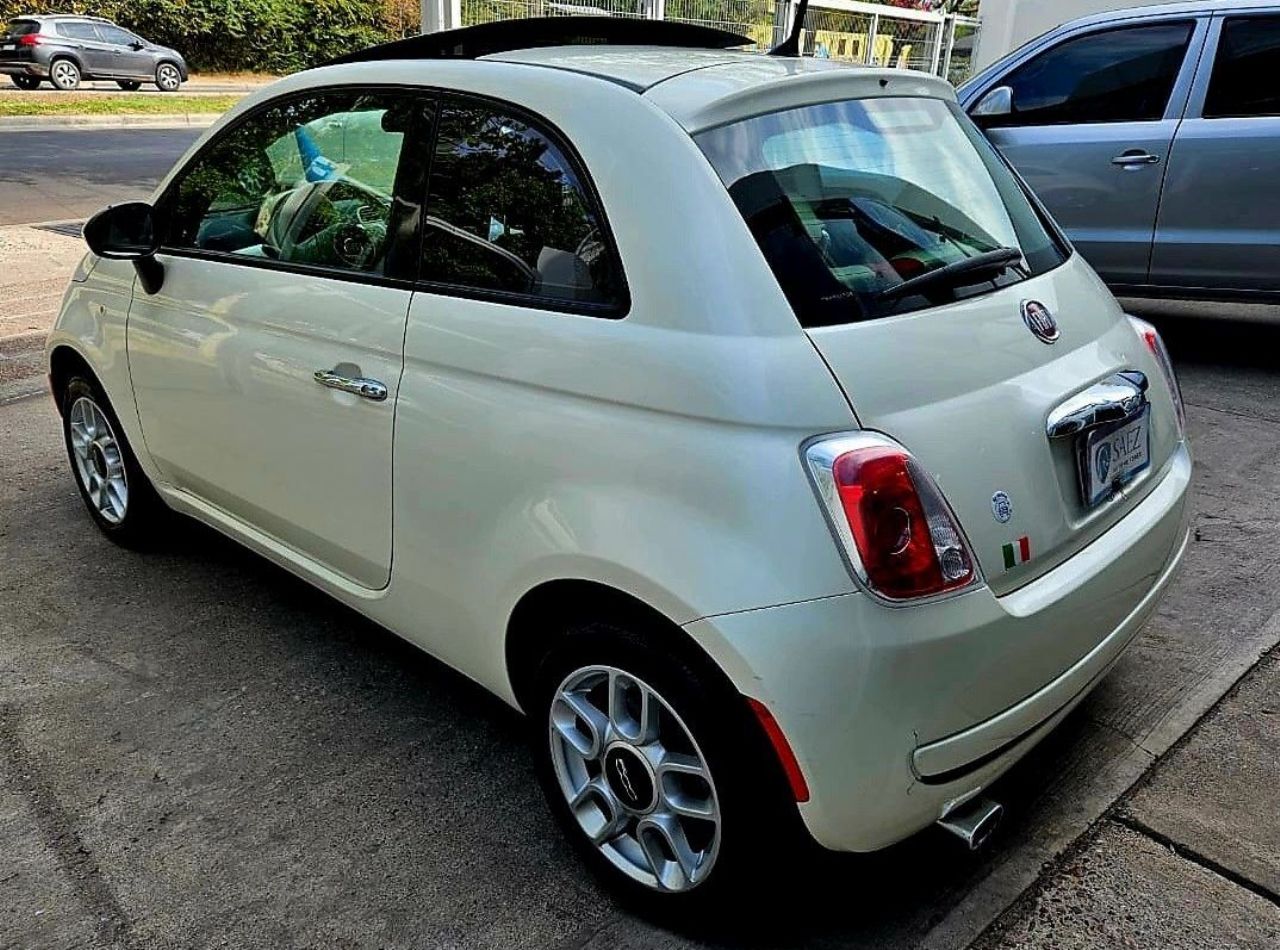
pixel 848 200
pixel 22 27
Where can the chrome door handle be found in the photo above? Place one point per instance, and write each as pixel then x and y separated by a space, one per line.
pixel 1135 158
pixel 1115 398
pixel 367 388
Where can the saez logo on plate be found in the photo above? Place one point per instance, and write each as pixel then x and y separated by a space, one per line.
pixel 1040 321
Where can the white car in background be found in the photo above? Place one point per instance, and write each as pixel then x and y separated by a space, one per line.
pixel 741 419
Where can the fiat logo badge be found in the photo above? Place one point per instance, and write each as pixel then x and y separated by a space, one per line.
pixel 1040 321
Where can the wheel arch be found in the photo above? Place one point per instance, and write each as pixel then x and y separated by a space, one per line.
pixel 545 612
pixel 68 54
pixel 170 61
pixel 64 362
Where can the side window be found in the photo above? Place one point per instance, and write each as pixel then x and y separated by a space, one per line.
pixel 1244 80
pixel 115 35
pixel 79 31
pixel 507 211
pixel 1124 75
pixel 308 181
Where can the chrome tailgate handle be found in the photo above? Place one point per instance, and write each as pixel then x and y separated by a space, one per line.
pixel 360 386
pixel 1111 400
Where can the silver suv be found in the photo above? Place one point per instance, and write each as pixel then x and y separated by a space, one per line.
pixel 67 49
pixel 1151 136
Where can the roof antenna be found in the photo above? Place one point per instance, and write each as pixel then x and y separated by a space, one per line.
pixel 791 45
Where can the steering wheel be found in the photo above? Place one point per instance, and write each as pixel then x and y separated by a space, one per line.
pixel 354 243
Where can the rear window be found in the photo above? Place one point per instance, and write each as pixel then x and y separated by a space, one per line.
pixel 849 199
pixel 22 27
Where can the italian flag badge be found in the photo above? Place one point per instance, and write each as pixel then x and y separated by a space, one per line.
pixel 1017 552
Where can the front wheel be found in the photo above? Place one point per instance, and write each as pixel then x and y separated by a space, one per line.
pixel 65 75
pixel 112 485
pixel 168 79
pixel 26 82
pixel 654 773
pixel 129 85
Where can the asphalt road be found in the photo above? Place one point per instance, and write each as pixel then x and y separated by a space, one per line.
pixel 198 750
pixel 69 175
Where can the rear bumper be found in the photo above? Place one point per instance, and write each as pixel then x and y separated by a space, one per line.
pixel 13 68
pixel 887 709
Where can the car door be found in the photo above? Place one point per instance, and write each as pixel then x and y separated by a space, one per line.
pixel 266 367
pixel 129 59
pixel 517 264
pixel 94 54
pixel 1218 228
pixel 1089 126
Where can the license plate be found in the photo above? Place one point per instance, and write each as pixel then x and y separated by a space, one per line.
pixel 1112 457
pixel 8 46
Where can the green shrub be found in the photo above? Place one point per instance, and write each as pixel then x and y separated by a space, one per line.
pixel 277 36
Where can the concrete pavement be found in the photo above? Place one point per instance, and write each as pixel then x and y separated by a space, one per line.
pixel 35 266
pixel 1190 860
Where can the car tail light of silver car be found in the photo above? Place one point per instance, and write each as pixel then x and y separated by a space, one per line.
pixel 897 531
pixel 30 39
pixel 1151 336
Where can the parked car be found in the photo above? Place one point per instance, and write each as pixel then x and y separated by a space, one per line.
pixel 801 502
pixel 1153 137
pixel 64 50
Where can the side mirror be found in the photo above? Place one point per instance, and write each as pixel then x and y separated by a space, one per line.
pixel 123 232
pixel 997 102
pixel 137 45
pixel 127 232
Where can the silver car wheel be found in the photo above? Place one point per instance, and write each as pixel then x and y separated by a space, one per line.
pixel 167 77
pixel 98 458
pixel 634 778
pixel 64 74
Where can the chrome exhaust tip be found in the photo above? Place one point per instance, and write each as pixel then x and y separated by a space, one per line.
pixel 973 822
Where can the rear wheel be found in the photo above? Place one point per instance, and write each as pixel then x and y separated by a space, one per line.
pixel 168 79
pixel 26 82
pixel 65 75
pixel 654 773
pixel 112 485
pixel 129 85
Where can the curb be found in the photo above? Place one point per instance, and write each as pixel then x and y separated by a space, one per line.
pixel 47 123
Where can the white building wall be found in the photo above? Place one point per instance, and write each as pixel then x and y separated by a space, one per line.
pixel 1007 24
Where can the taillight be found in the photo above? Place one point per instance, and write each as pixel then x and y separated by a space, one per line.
pixel 29 39
pixel 1151 336
pixel 898 533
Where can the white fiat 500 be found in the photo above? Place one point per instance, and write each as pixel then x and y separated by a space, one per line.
pixel 742 419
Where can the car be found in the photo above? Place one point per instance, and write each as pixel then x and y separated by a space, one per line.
pixel 741 419
pixel 1152 134
pixel 64 50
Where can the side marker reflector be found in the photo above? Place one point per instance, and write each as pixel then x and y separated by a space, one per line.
pixel 799 787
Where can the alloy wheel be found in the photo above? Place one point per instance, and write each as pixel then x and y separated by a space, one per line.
pixel 634 778
pixel 167 77
pixel 65 74
pixel 99 460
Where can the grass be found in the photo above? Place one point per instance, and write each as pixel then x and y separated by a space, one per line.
pixel 70 103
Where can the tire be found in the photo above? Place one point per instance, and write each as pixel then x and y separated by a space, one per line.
pixel 129 85
pixel 113 487
pixel 716 762
pixel 26 82
pixel 168 78
pixel 64 74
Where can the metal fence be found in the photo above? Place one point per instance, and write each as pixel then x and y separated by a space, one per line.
pixel 849 30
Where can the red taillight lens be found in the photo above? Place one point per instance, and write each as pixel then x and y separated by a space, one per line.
pixel 898 532
pixel 1151 336
pixel 29 39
